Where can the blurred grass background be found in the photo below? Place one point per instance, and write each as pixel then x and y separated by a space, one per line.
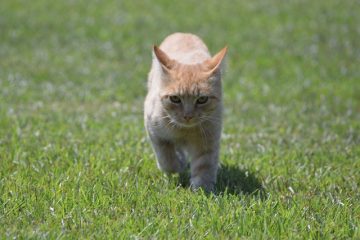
pixel 75 161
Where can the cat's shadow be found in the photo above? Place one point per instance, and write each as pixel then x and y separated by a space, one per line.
pixel 232 180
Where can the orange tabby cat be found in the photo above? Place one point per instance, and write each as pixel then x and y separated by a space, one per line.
pixel 183 108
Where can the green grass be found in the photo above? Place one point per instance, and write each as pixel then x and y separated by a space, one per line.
pixel 74 158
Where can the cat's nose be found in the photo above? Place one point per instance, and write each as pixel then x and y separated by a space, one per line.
pixel 188 118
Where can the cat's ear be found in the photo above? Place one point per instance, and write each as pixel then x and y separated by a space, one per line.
pixel 166 63
pixel 215 64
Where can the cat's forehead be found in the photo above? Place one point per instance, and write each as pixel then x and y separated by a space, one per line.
pixel 190 80
pixel 189 73
pixel 189 89
pixel 199 88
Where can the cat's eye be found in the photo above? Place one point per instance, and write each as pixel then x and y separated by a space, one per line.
pixel 175 99
pixel 202 100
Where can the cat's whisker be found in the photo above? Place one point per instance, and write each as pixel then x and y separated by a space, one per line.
pixel 172 124
pixel 165 117
pixel 216 121
pixel 209 119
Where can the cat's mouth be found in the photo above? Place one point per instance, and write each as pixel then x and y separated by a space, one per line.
pixel 180 123
pixel 188 124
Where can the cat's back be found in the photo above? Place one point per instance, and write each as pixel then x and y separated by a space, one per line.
pixel 185 48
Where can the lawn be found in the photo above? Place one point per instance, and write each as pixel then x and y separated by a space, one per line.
pixel 75 161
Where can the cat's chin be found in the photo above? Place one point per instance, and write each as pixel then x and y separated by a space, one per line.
pixel 186 125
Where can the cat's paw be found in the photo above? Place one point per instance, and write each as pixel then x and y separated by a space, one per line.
pixel 207 186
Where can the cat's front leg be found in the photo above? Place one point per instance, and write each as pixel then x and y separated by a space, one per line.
pixel 203 171
pixel 168 159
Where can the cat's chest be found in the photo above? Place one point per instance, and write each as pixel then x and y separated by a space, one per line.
pixel 181 136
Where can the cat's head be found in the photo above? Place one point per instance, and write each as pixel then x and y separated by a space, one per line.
pixel 190 93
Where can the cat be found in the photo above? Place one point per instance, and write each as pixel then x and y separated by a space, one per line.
pixel 183 108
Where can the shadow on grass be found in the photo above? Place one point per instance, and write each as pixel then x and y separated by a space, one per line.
pixel 232 180
pixel 236 181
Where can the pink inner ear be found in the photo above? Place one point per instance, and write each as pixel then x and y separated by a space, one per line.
pixel 214 63
pixel 163 58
